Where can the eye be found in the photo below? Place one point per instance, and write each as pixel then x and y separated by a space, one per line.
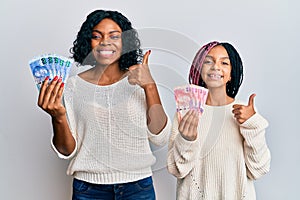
pixel 225 63
pixel 115 37
pixel 96 36
pixel 208 62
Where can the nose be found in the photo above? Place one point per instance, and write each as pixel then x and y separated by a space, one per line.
pixel 105 41
pixel 215 66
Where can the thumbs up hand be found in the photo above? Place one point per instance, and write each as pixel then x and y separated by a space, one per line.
pixel 244 112
pixel 140 74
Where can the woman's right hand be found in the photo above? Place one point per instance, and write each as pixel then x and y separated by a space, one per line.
pixel 50 97
pixel 188 126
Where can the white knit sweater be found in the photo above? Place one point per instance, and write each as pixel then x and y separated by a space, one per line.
pixel 223 161
pixel 110 128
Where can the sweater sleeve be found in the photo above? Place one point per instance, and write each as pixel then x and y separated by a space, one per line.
pixel 161 138
pixel 61 155
pixel 181 153
pixel 257 153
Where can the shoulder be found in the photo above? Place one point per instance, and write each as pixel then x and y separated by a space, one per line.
pixel 71 85
pixel 71 81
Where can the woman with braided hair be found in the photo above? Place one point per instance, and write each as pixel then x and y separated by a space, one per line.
pixel 216 156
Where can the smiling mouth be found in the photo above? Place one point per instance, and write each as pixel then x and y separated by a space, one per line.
pixel 215 76
pixel 105 52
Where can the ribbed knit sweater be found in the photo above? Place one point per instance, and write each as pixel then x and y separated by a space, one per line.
pixel 110 128
pixel 223 161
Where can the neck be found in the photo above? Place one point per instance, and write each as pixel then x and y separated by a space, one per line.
pixel 108 74
pixel 218 98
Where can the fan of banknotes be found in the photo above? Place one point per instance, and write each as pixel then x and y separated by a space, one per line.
pixel 189 97
pixel 50 65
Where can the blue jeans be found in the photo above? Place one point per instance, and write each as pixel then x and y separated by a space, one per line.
pixel 138 190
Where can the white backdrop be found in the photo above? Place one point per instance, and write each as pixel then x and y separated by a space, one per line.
pixel 264 32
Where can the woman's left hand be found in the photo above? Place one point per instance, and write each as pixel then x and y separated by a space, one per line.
pixel 140 74
pixel 244 112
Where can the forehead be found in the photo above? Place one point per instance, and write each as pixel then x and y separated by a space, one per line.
pixel 218 52
pixel 107 25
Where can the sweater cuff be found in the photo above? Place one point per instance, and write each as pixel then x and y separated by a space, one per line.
pixel 255 122
pixel 184 145
pixel 163 137
pixel 61 155
pixel 253 127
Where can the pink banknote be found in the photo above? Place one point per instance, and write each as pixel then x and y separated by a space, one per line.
pixel 189 97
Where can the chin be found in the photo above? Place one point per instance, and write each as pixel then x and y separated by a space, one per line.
pixel 106 63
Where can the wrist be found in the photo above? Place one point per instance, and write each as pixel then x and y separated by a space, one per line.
pixel 149 86
pixel 189 138
pixel 59 119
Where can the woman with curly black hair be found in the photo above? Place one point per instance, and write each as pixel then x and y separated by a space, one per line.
pixel 106 115
pixel 82 48
pixel 218 154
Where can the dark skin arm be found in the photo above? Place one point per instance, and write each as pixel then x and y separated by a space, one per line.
pixel 50 100
pixel 140 75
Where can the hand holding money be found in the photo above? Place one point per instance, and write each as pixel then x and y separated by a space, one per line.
pixel 50 65
pixel 244 112
pixel 50 97
pixel 188 125
pixel 189 97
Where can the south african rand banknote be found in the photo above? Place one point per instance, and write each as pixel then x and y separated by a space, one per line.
pixel 50 65
pixel 189 97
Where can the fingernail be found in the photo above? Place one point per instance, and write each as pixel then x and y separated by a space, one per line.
pixel 60 79
pixel 47 78
pixel 62 84
pixel 55 78
pixel 149 51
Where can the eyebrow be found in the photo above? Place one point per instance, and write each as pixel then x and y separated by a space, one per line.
pixel 220 58
pixel 108 33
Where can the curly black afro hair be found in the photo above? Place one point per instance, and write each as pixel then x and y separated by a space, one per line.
pixel 131 52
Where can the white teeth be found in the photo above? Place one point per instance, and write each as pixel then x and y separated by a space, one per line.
pixel 215 76
pixel 106 52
